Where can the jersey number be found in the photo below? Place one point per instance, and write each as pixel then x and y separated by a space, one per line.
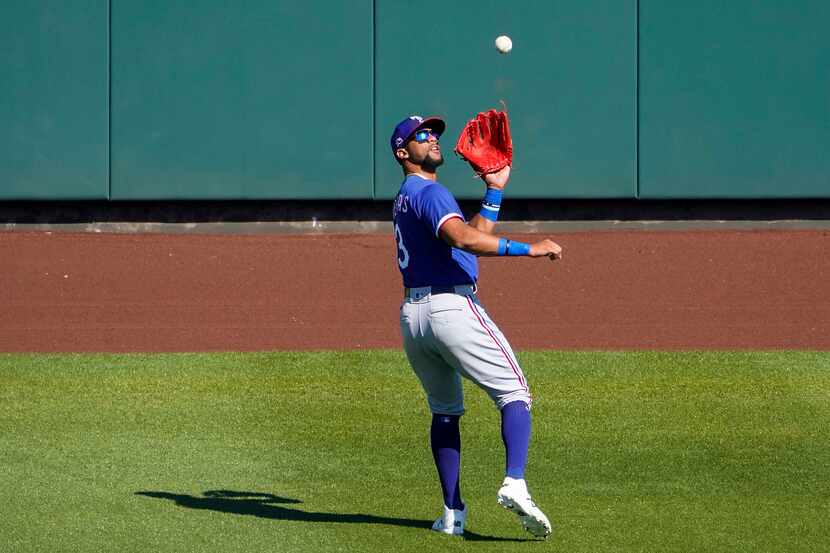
pixel 403 258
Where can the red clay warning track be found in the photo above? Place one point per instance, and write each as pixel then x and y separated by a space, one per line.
pixel 613 290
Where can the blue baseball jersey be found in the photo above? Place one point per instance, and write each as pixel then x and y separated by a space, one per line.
pixel 420 208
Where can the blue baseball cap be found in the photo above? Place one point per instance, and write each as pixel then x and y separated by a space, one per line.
pixel 407 127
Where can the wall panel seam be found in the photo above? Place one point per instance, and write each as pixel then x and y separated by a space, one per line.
pixel 373 126
pixel 109 100
pixel 637 99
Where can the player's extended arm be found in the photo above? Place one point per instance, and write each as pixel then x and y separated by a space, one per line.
pixel 459 234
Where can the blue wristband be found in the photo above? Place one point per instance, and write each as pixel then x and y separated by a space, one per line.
pixel 517 248
pixel 509 247
pixel 491 204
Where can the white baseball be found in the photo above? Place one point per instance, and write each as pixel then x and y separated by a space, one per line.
pixel 504 44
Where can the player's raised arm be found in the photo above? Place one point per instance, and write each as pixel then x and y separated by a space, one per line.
pixel 485 143
pixel 459 234
pixel 485 220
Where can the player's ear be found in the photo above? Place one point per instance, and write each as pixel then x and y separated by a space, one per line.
pixel 401 154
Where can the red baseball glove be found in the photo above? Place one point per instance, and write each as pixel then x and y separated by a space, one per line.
pixel 485 142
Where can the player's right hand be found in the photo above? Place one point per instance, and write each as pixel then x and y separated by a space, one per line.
pixel 546 248
pixel 498 179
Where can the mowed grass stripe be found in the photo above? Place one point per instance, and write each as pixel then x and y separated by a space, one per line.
pixel 328 451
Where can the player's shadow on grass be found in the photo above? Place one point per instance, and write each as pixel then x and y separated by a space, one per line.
pixel 266 505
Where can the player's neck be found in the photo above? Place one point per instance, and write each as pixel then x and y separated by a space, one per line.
pixel 423 174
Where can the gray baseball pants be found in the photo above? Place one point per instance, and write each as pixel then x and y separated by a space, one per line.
pixel 447 336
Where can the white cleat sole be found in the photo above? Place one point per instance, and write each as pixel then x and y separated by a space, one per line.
pixel 533 519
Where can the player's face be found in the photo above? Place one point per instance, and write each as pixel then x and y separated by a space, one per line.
pixel 424 149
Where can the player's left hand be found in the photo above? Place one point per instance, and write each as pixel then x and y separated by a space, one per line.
pixel 485 142
pixel 498 179
pixel 546 248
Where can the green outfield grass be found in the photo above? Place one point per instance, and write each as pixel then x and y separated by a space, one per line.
pixel 634 451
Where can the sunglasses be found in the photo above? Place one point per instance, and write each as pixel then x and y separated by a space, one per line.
pixel 423 135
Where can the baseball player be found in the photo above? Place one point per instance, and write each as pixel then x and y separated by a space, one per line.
pixel 447 333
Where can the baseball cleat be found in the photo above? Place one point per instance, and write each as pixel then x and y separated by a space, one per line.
pixel 452 521
pixel 513 496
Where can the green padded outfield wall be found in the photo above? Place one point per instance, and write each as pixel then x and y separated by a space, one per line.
pixel 154 100
pixel 734 98
pixel 569 84
pixel 254 99
pixel 53 100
